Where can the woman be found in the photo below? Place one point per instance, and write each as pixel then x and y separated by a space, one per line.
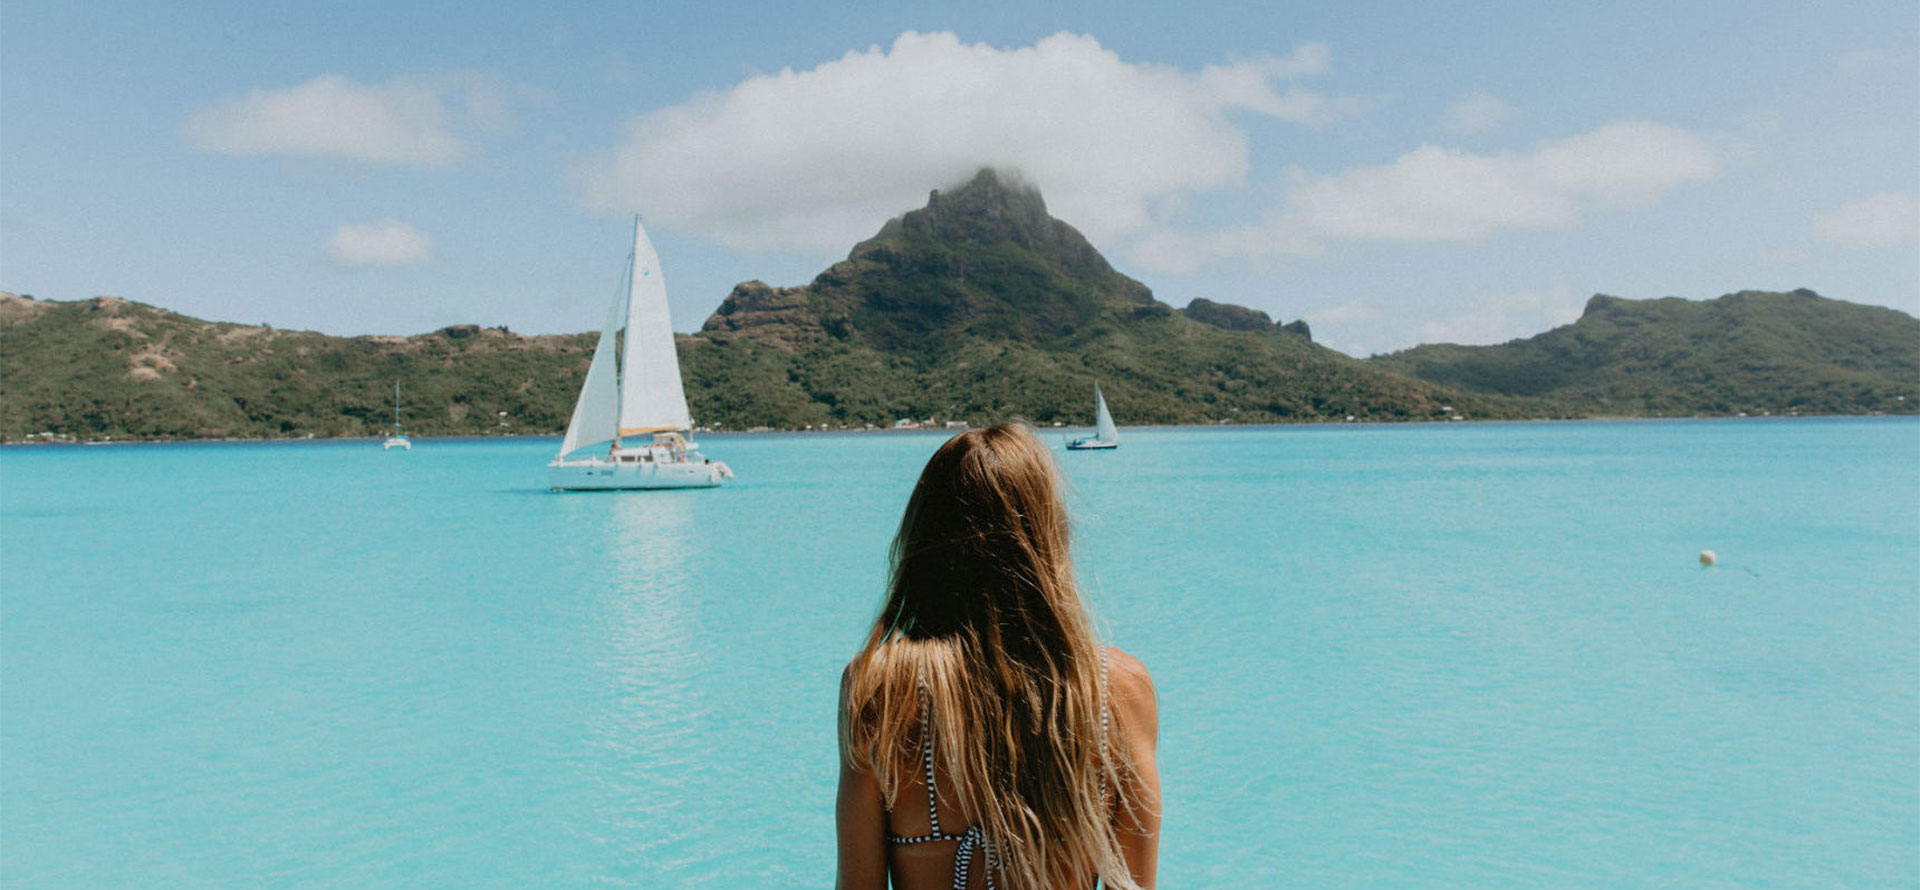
pixel 986 739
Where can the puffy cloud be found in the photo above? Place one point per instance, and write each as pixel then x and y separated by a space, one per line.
pixel 1499 317
pixel 388 242
pixel 1345 313
pixel 1439 194
pixel 1442 194
pixel 1876 221
pixel 1475 112
pixel 816 159
pixel 407 121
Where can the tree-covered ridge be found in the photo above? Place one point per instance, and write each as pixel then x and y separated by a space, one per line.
pixel 111 367
pixel 1752 351
pixel 106 367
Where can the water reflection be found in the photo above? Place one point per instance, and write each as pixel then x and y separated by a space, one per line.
pixel 647 651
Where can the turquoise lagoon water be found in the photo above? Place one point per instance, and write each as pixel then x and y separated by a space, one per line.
pixel 1477 655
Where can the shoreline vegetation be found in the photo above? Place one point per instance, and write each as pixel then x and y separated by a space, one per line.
pixel 974 308
pixel 58 441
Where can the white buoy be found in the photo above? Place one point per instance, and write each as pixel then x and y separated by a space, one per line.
pixel 1708 557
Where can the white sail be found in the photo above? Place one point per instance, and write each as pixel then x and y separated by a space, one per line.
pixel 651 399
pixel 596 417
pixel 1102 420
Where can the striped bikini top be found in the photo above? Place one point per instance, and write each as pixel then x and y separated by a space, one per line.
pixel 974 838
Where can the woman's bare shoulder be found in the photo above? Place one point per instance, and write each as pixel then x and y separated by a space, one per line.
pixel 1119 663
pixel 1132 684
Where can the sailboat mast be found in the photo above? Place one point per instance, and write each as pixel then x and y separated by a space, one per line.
pixel 626 318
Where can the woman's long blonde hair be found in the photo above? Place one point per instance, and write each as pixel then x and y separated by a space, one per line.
pixel 983 620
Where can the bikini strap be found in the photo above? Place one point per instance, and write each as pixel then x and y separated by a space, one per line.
pixel 1103 692
pixel 926 756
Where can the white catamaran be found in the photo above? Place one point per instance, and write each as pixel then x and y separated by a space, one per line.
pixel 640 397
pixel 1104 435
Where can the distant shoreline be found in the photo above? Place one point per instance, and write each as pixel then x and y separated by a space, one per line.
pixel 293 440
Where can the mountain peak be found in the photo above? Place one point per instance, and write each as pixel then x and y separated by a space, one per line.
pixel 991 195
pixel 995 207
pixel 1599 303
pixel 984 259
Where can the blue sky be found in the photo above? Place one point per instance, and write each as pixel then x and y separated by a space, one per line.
pixel 1393 173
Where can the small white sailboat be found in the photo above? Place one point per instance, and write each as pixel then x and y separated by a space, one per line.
pixel 1104 434
pixel 398 439
pixel 642 396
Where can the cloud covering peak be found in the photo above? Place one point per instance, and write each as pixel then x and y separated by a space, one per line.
pixel 814 160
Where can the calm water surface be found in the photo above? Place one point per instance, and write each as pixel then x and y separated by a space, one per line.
pixel 1476 655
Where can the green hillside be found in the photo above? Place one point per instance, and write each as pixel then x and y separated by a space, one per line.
pixel 1752 352
pixel 977 307
pixel 110 367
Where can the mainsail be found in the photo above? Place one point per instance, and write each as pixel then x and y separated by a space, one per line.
pixel 596 417
pixel 1102 420
pixel 651 399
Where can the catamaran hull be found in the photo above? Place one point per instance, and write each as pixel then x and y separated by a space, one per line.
pixel 1090 445
pixel 600 475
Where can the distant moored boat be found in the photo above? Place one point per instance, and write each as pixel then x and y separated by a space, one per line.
pixel 1104 434
pixel 398 439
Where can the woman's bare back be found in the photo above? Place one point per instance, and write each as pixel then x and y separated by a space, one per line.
pixel 925 863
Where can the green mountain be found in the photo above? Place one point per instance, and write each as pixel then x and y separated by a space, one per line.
pixel 981 305
pixel 1753 352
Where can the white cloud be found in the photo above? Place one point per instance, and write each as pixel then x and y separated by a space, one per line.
pixel 1876 221
pixel 1307 60
pixel 1439 194
pixel 1442 194
pixel 422 121
pixel 817 159
pixel 1345 313
pixel 1497 318
pixel 388 242
pixel 1475 112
